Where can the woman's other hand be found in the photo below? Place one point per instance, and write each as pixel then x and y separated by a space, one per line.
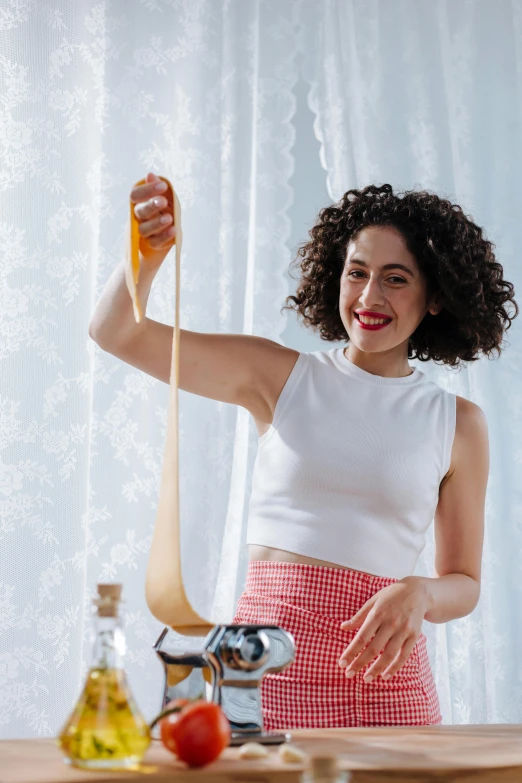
pixel 391 621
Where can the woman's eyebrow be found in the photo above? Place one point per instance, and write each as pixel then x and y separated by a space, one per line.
pixel 386 266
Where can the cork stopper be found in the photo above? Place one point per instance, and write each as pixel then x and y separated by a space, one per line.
pixel 323 768
pixel 107 600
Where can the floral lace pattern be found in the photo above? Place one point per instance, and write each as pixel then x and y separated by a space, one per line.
pixel 201 92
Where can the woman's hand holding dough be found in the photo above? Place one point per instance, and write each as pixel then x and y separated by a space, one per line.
pixel 154 212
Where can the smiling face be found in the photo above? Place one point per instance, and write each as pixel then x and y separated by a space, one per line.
pixel 382 276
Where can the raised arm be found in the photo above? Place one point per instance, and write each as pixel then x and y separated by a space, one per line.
pixel 240 369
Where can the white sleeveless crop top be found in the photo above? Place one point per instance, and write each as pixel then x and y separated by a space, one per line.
pixel 349 471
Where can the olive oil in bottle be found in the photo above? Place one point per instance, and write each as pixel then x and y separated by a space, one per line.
pixel 106 729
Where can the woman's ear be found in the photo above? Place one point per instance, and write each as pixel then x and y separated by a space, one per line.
pixel 435 305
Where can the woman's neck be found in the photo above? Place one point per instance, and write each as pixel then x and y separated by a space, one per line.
pixel 387 365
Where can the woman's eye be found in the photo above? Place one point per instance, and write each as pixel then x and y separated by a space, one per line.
pixel 393 277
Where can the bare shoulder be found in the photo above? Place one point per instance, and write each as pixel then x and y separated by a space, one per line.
pixel 471 435
pixel 272 367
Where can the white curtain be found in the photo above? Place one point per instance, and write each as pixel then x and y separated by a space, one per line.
pixel 95 94
pixel 424 94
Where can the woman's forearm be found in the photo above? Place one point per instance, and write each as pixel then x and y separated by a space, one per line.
pixel 449 596
pixel 113 321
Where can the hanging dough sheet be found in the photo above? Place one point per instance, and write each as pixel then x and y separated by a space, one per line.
pixel 164 588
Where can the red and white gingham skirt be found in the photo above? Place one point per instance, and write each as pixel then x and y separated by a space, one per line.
pixel 311 602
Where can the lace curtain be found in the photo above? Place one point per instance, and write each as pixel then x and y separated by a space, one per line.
pixel 95 94
pixel 200 91
pixel 425 94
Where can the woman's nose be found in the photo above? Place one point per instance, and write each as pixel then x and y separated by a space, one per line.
pixel 372 295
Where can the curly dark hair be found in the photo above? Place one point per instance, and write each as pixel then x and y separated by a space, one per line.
pixel 456 259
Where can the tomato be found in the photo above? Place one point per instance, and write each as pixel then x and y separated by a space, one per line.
pixel 166 723
pixel 200 733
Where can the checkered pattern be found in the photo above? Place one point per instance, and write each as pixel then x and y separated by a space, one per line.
pixel 311 602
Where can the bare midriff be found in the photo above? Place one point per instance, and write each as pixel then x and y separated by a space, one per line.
pixel 258 552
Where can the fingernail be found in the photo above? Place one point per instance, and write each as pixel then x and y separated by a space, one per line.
pixel 368 678
pixel 157 202
pixel 165 219
pixel 171 231
pixel 386 676
pixel 350 674
pixel 343 664
pixel 161 186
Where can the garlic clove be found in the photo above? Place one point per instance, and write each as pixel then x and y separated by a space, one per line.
pixel 290 754
pixel 252 750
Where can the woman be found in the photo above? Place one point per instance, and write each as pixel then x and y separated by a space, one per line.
pixel 358 452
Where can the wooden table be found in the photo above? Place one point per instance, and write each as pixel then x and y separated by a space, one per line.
pixel 424 753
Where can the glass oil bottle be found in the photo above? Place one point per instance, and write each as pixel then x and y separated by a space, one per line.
pixel 106 729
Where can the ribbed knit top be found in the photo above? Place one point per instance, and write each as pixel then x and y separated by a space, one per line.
pixel 350 469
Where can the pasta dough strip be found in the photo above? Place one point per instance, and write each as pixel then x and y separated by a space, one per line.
pixel 164 588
